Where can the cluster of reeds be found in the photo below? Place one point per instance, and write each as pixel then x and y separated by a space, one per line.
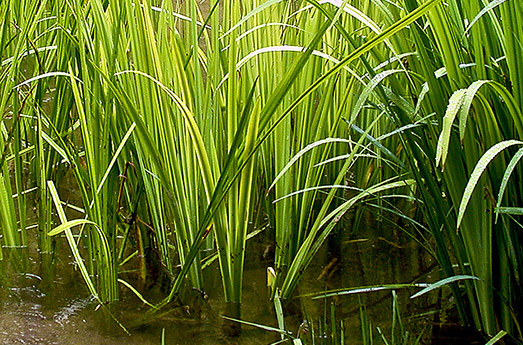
pixel 175 120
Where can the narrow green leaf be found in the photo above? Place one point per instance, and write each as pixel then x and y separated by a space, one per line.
pixel 470 94
pixel 516 211
pixel 497 337
pixel 369 88
pixel 481 166
pixel 136 292
pixel 455 102
pixel 304 151
pixel 506 176
pixel 55 146
pixel 71 241
pixel 265 328
pixel 481 13
pixel 115 156
pixel 46 75
pixel 68 225
pixel 443 282
pixel 246 17
pixel 366 289
pixel 279 313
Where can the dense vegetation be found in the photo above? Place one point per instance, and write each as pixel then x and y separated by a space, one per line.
pixel 181 124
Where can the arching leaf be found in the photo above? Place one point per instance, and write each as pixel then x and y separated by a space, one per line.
pixel 481 166
pixel 441 283
pixel 506 176
pixel 455 102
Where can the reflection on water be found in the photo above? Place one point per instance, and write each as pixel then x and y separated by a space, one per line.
pixel 63 313
pixel 56 309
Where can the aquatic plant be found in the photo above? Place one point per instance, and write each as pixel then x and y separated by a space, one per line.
pixel 408 100
pixel 172 123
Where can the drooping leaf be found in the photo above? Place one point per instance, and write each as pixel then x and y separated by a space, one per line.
pixel 443 282
pixel 480 167
pixel 455 102
pixel 483 11
pixel 136 292
pixel 506 176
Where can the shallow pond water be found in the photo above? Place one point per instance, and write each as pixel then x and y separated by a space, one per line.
pixel 54 307
pixel 33 312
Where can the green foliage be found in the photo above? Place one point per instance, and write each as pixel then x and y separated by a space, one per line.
pixel 174 123
pixel 399 334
